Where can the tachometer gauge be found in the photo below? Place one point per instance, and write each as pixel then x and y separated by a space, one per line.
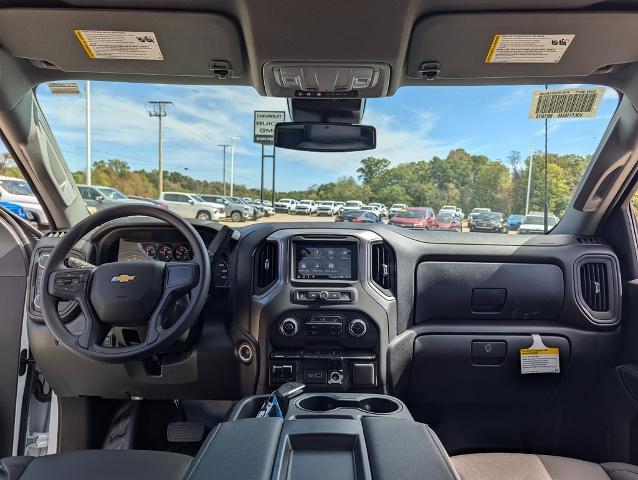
pixel 182 253
pixel 165 253
pixel 150 250
pixel 221 273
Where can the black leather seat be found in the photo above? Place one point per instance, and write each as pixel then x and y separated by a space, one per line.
pixel 97 465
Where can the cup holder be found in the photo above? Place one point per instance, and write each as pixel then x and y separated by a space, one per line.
pixel 325 403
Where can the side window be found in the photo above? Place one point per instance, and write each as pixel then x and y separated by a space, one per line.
pixel 182 198
pixel 170 197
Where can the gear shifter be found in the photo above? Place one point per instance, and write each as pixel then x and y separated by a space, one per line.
pixel 278 400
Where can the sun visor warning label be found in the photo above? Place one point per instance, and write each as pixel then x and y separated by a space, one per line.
pixel 528 48
pixel 114 45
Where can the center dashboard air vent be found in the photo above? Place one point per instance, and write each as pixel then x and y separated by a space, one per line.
pixel 382 267
pixel 598 288
pixel 266 266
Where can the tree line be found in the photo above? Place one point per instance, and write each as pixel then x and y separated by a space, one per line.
pixel 460 179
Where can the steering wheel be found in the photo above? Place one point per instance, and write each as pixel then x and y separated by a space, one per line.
pixel 125 294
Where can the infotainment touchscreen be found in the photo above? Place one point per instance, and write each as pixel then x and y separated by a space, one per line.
pixel 325 261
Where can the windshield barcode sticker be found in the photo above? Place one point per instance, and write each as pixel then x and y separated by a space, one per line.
pixel 567 103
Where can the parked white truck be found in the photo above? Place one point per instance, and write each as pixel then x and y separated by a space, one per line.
pixel 191 205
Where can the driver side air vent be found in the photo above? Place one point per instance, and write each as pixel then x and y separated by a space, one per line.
pixel 55 233
pixel 598 288
pixel 266 266
pixel 382 268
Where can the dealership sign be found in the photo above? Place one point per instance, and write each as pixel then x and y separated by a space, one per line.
pixel 265 126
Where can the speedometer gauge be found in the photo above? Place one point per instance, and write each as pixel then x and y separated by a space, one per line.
pixel 150 250
pixel 165 253
pixel 182 253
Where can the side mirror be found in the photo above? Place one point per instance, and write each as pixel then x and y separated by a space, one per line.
pixel 325 137
pixel 99 198
pixel 191 201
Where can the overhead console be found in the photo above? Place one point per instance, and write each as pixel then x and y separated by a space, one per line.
pixel 326 80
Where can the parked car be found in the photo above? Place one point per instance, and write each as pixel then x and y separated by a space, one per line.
pixel 18 191
pixel 327 207
pixel 358 216
pixel 514 221
pixel 534 222
pixel 340 206
pixel 237 212
pixel 493 222
pixel 98 197
pixel 372 208
pixel 157 203
pixel 422 218
pixel 352 205
pixel 267 206
pixel 190 205
pixel 306 207
pixel 256 211
pixel 383 210
pixel 448 220
pixel 475 213
pixel 396 208
pixel 285 205
pixel 15 209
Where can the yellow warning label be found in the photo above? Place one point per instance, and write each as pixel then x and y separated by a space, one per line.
pixel 543 351
pixel 493 47
pixel 84 42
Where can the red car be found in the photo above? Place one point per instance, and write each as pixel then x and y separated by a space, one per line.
pixel 448 221
pixel 415 217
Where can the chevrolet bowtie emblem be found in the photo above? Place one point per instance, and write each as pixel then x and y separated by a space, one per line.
pixel 124 278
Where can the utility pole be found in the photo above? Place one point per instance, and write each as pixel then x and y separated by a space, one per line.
pixel 529 177
pixel 232 163
pixel 224 146
pixel 157 108
pixel 87 176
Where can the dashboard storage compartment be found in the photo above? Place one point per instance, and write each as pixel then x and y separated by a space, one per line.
pixel 448 369
pixel 488 291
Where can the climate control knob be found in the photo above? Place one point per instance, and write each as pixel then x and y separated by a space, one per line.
pixel 289 327
pixel 357 327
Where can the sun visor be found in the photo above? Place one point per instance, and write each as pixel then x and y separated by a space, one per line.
pixel 508 45
pixel 125 42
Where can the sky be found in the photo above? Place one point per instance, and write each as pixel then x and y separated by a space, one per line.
pixel 416 123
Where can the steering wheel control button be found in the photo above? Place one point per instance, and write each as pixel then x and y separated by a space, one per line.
pixel 245 353
pixel 357 328
pixel 289 327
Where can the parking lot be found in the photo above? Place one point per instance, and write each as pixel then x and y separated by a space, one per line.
pixel 284 217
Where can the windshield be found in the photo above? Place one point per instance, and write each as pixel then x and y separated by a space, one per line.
pixel 445 217
pixel 463 147
pixel 112 193
pixel 16 187
pixel 412 214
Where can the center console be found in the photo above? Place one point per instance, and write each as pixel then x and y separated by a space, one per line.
pixel 337 436
pixel 326 322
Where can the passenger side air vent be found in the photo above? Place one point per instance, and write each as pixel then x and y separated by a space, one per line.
pixel 594 286
pixel 591 241
pixel 382 267
pixel 598 289
pixel 266 266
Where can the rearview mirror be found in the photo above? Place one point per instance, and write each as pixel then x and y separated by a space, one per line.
pixel 325 137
